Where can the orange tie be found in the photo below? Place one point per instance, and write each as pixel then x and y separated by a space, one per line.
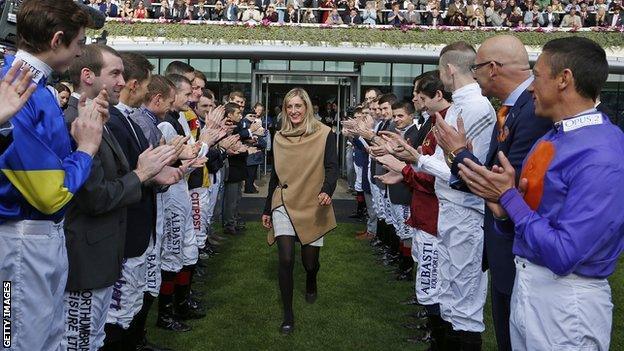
pixel 500 122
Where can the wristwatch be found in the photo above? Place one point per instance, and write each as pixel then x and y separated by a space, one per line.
pixel 450 157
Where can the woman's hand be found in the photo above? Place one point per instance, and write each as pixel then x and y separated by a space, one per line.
pixel 324 199
pixel 267 222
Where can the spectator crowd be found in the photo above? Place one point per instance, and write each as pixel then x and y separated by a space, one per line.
pixel 474 13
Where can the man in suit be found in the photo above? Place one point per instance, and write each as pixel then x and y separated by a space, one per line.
pixel 128 309
pixel 263 4
pixel 433 18
pixel 615 20
pixel 95 227
pixel 237 171
pixel 71 112
pixel 516 131
pixel 550 19
pixel 109 9
pixel 353 17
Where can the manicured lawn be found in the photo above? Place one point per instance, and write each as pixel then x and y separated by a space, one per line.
pixel 357 308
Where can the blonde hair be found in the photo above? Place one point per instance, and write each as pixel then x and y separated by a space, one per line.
pixel 310 123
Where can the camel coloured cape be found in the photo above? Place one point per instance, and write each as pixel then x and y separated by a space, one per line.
pixel 299 163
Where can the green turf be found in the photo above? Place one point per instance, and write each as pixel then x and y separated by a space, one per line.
pixel 357 307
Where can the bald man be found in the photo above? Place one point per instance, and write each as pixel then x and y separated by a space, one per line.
pixel 502 70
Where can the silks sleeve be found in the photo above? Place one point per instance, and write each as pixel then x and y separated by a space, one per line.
pixel 420 181
pixel 589 217
pixel 46 180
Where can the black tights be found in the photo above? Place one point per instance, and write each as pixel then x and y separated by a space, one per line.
pixel 310 259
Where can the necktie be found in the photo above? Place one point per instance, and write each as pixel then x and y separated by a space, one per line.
pixel 500 123
pixel 421 120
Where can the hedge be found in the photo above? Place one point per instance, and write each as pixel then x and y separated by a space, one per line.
pixel 337 36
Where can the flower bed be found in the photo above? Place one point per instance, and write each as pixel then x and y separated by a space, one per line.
pixel 315 35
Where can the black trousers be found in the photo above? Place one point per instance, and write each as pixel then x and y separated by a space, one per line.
pixel 501 310
pixel 252 171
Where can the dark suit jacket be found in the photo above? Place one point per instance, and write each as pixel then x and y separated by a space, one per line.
pixel 525 128
pixel 159 13
pixel 555 20
pixel 401 194
pixel 356 20
pixel 141 222
pixel 262 4
pixel 617 23
pixel 71 112
pixel 113 9
pixel 95 222
pixel 429 20
pixel 204 17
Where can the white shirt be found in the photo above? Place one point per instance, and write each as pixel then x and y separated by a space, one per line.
pixel 479 120
pixel 513 97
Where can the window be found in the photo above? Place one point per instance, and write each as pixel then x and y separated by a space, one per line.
pixel 376 74
pixel 335 66
pixel 273 65
pixel 403 75
pixel 210 67
pixel 236 71
pixel 306 65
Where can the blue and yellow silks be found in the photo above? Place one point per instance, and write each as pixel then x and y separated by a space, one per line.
pixel 39 172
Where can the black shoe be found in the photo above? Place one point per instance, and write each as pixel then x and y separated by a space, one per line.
pixel 425 339
pixel 241 228
pixel 416 326
pixel 213 242
pixel 411 302
pixel 194 294
pixel 418 314
pixel 375 242
pixel 218 237
pixel 209 251
pixel 195 304
pixel 311 297
pixel 405 277
pixel 390 262
pixel 287 328
pixel 187 310
pixel 199 271
pixel 230 231
pixel 171 323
